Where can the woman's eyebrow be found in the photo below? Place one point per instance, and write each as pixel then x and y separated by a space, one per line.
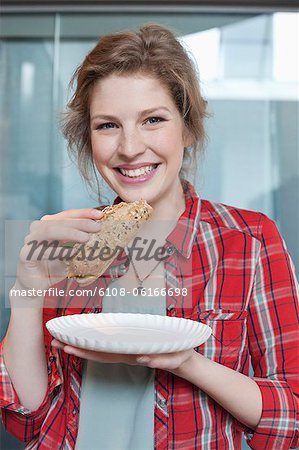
pixel 152 110
pixel 140 113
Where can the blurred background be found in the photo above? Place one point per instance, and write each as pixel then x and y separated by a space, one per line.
pixel 248 60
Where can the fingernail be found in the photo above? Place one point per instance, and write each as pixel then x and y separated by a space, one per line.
pixel 56 344
pixel 143 359
pixel 96 213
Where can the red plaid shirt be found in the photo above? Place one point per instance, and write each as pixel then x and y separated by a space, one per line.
pixel 242 284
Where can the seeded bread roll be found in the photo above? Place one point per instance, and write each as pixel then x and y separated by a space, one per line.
pixel 120 224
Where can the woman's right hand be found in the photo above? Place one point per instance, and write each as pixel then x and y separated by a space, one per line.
pixel 37 269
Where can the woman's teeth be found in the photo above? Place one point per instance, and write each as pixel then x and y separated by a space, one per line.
pixel 138 172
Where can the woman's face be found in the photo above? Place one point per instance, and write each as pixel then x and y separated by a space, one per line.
pixel 137 137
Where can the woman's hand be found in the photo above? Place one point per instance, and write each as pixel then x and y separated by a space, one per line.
pixel 42 260
pixel 166 361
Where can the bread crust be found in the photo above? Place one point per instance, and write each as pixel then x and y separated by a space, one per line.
pixel 119 225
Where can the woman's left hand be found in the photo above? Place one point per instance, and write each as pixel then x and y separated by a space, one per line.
pixel 165 361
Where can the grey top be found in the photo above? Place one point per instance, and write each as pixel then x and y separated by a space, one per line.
pixel 117 400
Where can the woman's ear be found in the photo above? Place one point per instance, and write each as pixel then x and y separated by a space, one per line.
pixel 188 137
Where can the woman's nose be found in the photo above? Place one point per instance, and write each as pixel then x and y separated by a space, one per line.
pixel 130 143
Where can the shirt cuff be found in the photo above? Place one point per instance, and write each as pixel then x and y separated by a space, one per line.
pixel 277 426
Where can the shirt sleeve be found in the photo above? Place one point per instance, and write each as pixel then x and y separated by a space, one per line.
pixel 21 422
pixel 273 343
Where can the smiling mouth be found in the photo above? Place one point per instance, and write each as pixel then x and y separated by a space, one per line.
pixel 138 172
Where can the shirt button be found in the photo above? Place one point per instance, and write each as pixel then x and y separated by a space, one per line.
pixel 74 411
pixel 162 403
pixel 122 268
pixel 171 307
pixel 170 250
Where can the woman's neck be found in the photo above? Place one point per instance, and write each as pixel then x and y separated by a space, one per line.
pixel 171 206
pixel 165 215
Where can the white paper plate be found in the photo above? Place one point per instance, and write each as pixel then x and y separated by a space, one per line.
pixel 129 333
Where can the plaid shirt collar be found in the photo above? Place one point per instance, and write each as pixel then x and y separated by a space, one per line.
pixel 183 235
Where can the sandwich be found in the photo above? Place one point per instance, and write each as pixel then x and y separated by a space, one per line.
pixel 119 225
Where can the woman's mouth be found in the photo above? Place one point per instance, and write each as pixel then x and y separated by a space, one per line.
pixel 137 175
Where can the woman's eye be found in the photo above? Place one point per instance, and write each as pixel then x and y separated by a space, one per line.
pixel 154 120
pixel 105 126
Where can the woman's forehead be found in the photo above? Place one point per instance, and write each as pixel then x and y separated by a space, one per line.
pixel 138 91
pixel 129 81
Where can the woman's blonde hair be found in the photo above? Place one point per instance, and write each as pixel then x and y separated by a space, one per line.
pixel 152 50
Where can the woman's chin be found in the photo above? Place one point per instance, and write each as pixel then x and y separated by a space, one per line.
pixel 133 193
pixel 135 196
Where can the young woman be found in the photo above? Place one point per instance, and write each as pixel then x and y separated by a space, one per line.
pixel 135 118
